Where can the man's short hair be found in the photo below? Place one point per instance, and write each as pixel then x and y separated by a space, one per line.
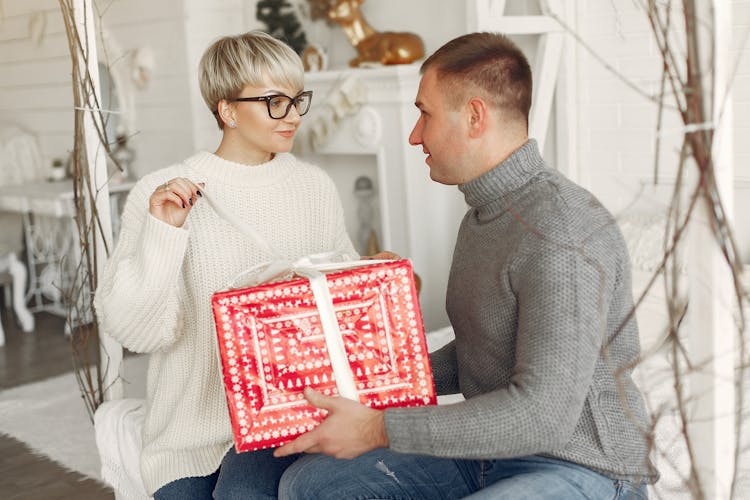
pixel 254 58
pixel 489 63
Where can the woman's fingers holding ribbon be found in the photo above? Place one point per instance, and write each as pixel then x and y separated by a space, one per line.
pixel 172 201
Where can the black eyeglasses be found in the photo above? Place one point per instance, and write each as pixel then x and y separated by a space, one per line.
pixel 279 104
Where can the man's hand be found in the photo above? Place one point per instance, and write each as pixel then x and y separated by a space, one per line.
pixel 349 430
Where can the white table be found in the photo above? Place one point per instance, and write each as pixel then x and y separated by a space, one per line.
pixel 51 236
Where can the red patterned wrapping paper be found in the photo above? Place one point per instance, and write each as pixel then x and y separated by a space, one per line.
pixel 272 346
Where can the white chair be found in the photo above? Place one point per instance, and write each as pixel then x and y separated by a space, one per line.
pixel 20 157
pixel 13 275
pixel 20 161
pixel 118 424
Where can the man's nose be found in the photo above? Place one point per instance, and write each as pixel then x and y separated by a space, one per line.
pixel 415 138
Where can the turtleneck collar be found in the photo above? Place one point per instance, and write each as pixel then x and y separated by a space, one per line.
pixel 216 169
pixel 523 164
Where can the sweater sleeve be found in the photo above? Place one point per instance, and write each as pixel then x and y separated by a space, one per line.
pixel 561 316
pixel 444 369
pixel 138 297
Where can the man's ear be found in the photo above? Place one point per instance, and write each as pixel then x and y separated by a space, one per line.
pixel 478 116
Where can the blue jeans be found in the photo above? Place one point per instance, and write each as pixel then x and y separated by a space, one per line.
pixel 241 476
pixel 384 474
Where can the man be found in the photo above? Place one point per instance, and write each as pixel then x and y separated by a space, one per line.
pixel 539 297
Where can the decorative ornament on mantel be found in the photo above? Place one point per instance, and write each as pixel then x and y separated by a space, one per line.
pixel 281 21
pixel 374 47
pixel 318 9
pixel 367 239
pixel 314 58
pixel 142 65
pixel 345 99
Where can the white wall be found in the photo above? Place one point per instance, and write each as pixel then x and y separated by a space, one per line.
pixel 616 125
pixel 163 115
pixel 35 80
pixel 205 22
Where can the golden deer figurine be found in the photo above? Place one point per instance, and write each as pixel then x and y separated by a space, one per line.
pixel 386 47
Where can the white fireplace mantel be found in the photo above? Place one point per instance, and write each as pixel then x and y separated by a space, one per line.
pixel 368 114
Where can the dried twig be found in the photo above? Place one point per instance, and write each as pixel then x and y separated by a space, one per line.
pixel 79 293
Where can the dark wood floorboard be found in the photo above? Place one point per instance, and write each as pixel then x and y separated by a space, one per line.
pixel 25 358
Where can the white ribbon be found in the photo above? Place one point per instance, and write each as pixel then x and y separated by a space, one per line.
pixel 311 267
pixel 243 227
pixel 342 372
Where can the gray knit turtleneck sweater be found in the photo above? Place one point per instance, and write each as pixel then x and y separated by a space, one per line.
pixel 538 296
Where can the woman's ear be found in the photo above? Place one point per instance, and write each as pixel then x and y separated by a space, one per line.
pixel 226 113
pixel 478 117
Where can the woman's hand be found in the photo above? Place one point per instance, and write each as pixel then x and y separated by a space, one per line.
pixel 385 255
pixel 172 201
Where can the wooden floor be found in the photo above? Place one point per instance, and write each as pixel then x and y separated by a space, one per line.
pixel 30 357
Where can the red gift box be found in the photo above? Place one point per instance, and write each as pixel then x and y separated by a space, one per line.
pixel 272 344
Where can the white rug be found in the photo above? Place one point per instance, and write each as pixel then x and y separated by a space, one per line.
pixel 51 419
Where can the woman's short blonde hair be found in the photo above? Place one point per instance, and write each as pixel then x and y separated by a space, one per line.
pixel 254 58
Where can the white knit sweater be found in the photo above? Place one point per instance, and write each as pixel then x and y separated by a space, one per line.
pixel 155 294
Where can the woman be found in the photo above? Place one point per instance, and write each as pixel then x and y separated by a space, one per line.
pixel 175 250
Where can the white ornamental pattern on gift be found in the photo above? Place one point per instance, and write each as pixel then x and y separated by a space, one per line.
pixel 273 346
